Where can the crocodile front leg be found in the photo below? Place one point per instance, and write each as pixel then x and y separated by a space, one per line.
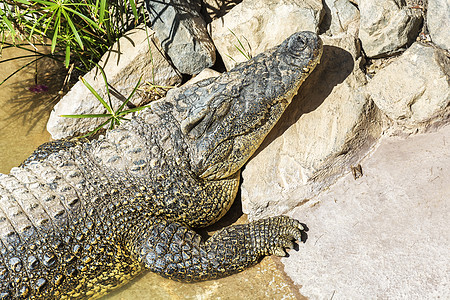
pixel 174 251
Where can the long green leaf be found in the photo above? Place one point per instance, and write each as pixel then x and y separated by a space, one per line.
pixel 10 27
pixel 134 109
pixel 47 3
pixel 242 49
pixel 99 98
pixel 74 30
pixel 106 84
pixel 96 129
pixel 131 95
pixel 55 34
pixel 102 11
pixel 36 23
pixel 133 7
pixel 67 59
pixel 122 118
pixel 87 116
pixel 85 18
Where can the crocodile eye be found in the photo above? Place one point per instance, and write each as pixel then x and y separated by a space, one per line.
pixel 297 43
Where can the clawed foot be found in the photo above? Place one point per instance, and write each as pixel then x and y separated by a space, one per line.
pixel 280 233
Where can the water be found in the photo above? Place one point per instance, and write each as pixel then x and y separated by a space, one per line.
pixel 24 113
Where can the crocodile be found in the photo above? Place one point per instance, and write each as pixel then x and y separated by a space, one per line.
pixel 80 219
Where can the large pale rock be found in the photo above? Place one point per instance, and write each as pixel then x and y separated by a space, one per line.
pixel 205 74
pixel 385 235
pixel 214 9
pixel 438 21
pixel 260 25
pixel 182 33
pixel 386 26
pixel 329 125
pixel 414 90
pixel 128 59
pixel 341 16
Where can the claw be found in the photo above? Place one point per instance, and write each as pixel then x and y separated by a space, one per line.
pixel 288 244
pixel 278 251
pixel 300 226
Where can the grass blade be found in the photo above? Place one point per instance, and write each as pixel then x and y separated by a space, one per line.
pixel 242 49
pixel 10 27
pixel 85 18
pixel 67 60
pixel 55 34
pixel 74 30
pixel 135 109
pixel 102 11
pixel 87 116
pixel 106 85
pixel 94 92
pixel 131 95
pixel 96 129
pixel 133 7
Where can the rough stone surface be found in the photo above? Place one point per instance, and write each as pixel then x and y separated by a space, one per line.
pixel 415 89
pixel 385 235
pixel 386 26
pixel 260 25
pixel 438 21
pixel 182 33
pixel 329 125
pixel 128 59
pixel 341 16
pixel 214 9
pixel 206 73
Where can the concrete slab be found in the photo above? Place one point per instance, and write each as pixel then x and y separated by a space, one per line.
pixel 385 235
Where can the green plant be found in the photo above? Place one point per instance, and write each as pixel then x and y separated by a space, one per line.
pixel 246 53
pixel 79 31
pixel 114 116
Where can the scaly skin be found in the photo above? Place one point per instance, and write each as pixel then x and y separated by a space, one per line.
pixel 79 219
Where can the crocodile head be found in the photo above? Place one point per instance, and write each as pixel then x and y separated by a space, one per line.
pixel 236 110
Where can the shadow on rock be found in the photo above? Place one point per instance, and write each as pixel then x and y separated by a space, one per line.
pixel 217 9
pixel 336 65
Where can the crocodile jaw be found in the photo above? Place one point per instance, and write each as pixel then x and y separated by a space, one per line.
pixel 223 148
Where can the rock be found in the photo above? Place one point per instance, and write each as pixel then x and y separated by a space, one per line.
pixel 413 90
pixel 329 126
pixel 386 26
pixel 128 59
pixel 182 33
pixel 341 16
pixel 215 9
pixel 438 21
pixel 205 74
pixel 385 235
pixel 260 25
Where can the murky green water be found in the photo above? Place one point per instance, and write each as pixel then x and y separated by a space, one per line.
pixel 24 113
